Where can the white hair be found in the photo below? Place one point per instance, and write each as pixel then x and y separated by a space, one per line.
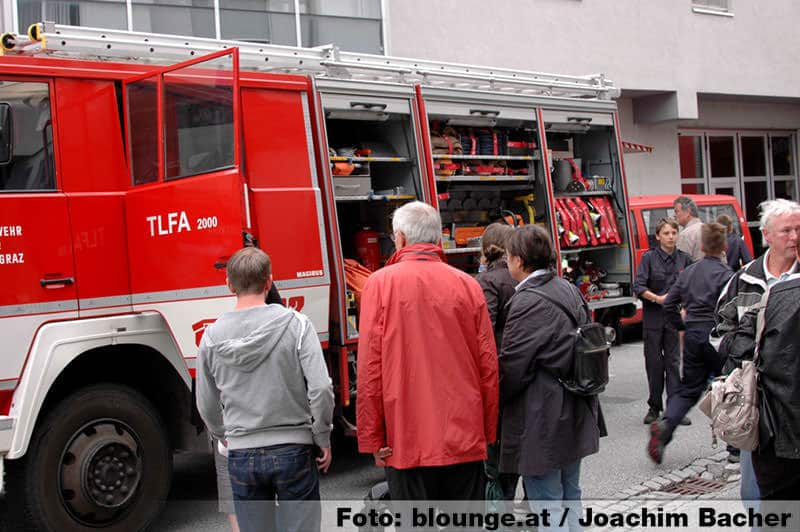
pixel 774 208
pixel 419 222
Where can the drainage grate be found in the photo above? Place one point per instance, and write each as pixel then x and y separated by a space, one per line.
pixel 694 486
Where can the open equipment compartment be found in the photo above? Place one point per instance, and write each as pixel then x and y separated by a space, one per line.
pixel 487 168
pixel 372 149
pixel 591 208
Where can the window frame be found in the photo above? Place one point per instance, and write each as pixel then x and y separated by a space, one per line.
pixel 160 103
pixel 56 153
pixel 704 7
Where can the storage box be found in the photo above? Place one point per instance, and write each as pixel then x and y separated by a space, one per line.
pixel 351 185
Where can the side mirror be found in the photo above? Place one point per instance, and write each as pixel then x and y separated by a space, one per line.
pixel 6 134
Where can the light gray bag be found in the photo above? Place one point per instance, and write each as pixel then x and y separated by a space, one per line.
pixel 732 402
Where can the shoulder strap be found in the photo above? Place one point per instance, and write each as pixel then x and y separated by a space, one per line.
pixel 557 303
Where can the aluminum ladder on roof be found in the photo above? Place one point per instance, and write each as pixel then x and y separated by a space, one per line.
pixel 323 61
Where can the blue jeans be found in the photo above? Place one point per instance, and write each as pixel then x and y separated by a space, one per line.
pixel 286 472
pixel 555 491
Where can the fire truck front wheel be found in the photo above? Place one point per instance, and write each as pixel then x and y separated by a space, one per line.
pixel 99 459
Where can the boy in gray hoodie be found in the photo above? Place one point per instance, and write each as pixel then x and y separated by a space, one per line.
pixel 263 387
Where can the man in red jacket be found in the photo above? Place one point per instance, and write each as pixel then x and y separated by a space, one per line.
pixel 427 368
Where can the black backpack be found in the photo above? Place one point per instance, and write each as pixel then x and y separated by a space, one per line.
pixel 591 349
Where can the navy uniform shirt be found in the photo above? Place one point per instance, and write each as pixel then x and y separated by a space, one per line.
pixel 697 290
pixel 658 271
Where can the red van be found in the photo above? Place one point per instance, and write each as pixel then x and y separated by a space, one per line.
pixel 647 210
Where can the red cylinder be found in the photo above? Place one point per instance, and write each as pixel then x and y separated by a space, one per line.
pixel 368 248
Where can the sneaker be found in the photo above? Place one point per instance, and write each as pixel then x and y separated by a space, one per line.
pixel 655 447
pixel 733 458
pixel 686 421
pixel 652 415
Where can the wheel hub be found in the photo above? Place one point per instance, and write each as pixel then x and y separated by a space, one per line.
pixel 100 471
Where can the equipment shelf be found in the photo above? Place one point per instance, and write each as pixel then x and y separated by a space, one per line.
pixel 566 250
pixel 483 177
pixel 534 157
pixel 374 197
pixel 611 302
pixel 562 195
pixel 370 159
pixel 461 251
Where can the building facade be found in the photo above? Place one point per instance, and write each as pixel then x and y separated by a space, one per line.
pixel 712 85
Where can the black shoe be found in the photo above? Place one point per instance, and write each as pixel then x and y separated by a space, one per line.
pixel 686 421
pixel 652 415
pixel 658 441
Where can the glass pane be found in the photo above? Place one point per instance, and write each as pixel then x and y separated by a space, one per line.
pixel 110 14
pixel 727 191
pixel 650 217
pixel 722 156
pixel 691 157
pixel 351 34
pixel 255 24
pixel 342 8
pixel 143 129
pixel 198 118
pixel 175 17
pixel 27 109
pixel 782 162
pixel 754 160
pixel 786 190
pixel 693 188
pixel 754 193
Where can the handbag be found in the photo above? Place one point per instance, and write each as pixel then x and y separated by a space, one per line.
pixel 732 402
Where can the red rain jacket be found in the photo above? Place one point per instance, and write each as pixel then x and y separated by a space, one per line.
pixel 427 363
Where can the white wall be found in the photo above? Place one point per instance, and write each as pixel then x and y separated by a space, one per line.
pixel 647 45
pixel 656 172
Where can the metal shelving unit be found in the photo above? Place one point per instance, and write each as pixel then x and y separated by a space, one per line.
pixel 566 251
pixel 467 178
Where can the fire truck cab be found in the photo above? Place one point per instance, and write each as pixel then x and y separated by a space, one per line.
pixel 132 166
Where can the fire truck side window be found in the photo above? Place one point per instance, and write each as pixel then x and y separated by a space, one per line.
pixel 198 118
pixel 143 127
pixel 27 135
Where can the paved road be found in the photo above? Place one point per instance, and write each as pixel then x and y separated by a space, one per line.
pixel 620 463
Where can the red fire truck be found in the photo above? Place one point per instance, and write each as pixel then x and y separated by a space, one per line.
pixel 132 166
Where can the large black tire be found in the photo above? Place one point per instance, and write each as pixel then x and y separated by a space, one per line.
pixel 99 459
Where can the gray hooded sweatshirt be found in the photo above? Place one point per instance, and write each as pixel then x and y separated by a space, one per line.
pixel 262 380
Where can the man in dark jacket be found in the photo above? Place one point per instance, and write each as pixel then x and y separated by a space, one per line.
pixel 697 290
pixel 547 430
pixel 744 291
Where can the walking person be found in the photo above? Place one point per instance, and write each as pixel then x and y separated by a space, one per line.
pixel 687 216
pixel 657 272
pixel 498 287
pixel 737 253
pixel 778 221
pixel 427 368
pixel 546 429
pixel 263 389
pixel 697 289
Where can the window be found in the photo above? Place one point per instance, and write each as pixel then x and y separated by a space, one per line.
pixel 110 14
pixel 713 7
pixel 352 25
pixel 143 129
pixel 175 17
pixel 27 137
pixel 193 133
pixel 270 22
pixel 199 101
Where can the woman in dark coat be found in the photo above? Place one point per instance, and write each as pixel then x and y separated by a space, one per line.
pixel 546 429
pixel 496 281
pixel 498 287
